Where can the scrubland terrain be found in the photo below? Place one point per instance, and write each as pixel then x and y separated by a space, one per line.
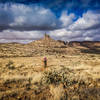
pixel 74 77
pixel 71 74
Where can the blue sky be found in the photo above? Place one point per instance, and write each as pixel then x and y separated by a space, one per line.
pixel 68 20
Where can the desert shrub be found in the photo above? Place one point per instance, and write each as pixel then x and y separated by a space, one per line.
pixel 51 77
pixel 28 86
pixel 64 76
pixel 10 65
pixel 22 65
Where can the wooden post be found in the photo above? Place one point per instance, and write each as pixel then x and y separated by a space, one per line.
pixel 45 62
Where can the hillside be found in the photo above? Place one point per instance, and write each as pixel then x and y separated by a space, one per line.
pixel 47 45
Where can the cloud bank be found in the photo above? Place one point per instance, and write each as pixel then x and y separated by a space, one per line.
pixel 22 17
pixel 24 23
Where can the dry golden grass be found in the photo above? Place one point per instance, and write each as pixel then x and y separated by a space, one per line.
pixel 22 79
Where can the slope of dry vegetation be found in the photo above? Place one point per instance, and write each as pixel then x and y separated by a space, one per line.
pixel 67 77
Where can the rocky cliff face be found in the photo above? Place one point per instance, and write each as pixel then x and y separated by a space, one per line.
pixel 49 46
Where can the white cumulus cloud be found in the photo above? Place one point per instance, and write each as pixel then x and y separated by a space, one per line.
pixel 85 28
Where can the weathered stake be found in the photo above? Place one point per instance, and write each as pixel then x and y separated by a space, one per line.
pixel 45 62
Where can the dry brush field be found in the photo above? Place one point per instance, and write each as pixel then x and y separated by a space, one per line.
pixel 67 77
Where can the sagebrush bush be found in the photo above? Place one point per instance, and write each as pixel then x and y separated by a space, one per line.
pixel 64 76
pixel 10 65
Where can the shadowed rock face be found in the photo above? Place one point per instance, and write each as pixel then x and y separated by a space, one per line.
pixel 49 46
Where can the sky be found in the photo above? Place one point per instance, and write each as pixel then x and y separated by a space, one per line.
pixel 69 20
